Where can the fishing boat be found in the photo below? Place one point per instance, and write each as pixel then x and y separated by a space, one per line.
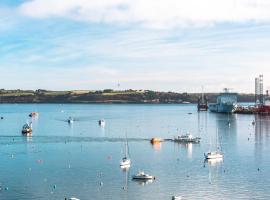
pixel 217 154
pixel 101 122
pixel 27 129
pixel 188 138
pixel 142 176
pixel 226 102
pixel 125 162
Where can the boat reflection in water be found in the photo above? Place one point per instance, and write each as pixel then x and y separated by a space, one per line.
pixel 157 146
pixel 213 162
pixel 143 182
pixel 262 135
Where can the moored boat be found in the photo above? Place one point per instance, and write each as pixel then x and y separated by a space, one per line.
pixel 188 138
pixel 156 140
pixel 142 176
pixel 176 197
pixel 70 120
pixel 101 122
pixel 33 114
pixel 217 154
pixel 27 129
pixel 226 102
pixel 125 162
pixel 213 155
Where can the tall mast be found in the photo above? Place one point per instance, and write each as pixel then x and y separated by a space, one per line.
pixel 217 139
pixel 126 145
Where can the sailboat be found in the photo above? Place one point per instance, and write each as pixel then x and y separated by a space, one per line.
pixel 125 162
pixel 214 154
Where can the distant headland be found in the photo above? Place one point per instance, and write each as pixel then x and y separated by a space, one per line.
pixel 107 96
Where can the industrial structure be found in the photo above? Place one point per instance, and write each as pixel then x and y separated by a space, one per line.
pixel 259 99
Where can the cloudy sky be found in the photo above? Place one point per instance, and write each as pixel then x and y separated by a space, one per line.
pixel 168 45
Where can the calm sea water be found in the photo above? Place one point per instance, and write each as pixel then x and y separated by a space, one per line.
pixel 82 160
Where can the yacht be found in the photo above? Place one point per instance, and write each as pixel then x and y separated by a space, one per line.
pixel 125 162
pixel 143 176
pixel 217 154
pixel 188 138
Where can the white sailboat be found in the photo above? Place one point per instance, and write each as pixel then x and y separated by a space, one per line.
pixel 217 154
pixel 125 162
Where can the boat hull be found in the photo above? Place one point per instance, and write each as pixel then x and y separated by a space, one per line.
pixel 193 140
pixel 143 178
pixel 125 164
pixel 213 156
pixel 221 108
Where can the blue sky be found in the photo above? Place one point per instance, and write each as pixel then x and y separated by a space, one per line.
pixel 154 44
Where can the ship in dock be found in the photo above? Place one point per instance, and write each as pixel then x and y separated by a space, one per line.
pixel 202 103
pixel 226 102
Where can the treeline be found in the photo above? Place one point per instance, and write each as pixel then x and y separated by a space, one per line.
pixel 106 96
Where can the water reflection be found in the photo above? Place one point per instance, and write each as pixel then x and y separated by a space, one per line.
pixel 202 120
pixel 227 129
pixel 213 162
pixel 142 182
pixel 157 146
pixel 262 128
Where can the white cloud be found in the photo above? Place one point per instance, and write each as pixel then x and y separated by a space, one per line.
pixel 151 13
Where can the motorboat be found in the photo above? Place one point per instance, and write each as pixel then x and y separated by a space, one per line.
pixel 73 198
pixel 213 155
pixel 188 138
pixel 142 176
pixel 101 122
pixel 27 129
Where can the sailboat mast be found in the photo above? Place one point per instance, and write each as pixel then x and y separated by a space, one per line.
pixel 126 149
pixel 217 139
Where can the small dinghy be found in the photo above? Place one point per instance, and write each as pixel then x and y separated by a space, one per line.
pixel 101 122
pixel 70 120
pixel 33 114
